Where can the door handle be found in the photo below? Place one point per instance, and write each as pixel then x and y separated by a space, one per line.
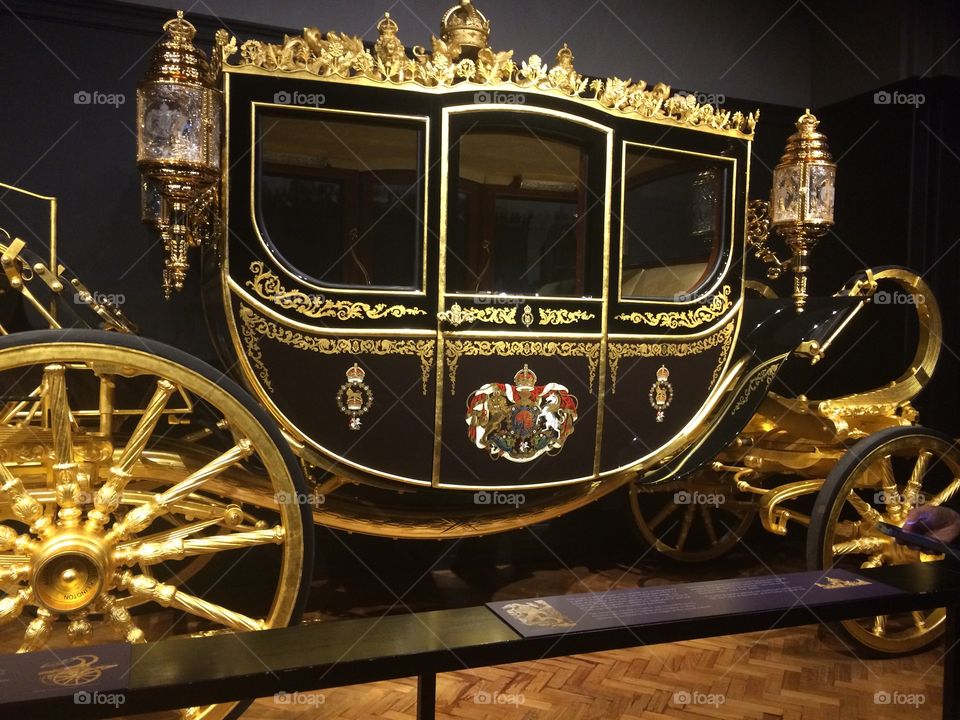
pixel 457 316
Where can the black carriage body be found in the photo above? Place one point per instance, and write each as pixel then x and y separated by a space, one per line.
pixel 632 291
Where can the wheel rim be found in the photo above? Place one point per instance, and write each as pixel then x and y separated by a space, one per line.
pixel 885 485
pixel 97 513
pixel 691 521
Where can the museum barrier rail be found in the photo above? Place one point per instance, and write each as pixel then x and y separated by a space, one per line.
pixel 79 683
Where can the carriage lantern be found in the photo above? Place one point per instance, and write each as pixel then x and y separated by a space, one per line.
pixel 178 144
pixel 803 197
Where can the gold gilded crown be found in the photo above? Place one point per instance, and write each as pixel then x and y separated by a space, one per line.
pixel 663 373
pixel 525 377
pixel 463 26
pixel 387 25
pixel 355 374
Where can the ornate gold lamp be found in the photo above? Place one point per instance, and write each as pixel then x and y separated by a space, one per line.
pixel 803 198
pixel 178 145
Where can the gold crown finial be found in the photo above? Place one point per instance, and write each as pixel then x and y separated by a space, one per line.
pixel 465 28
pixel 663 373
pixel 387 25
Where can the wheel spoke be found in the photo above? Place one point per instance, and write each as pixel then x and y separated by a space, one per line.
pixel 873 561
pixel 26 508
pixel 57 410
pixel 148 588
pixel 140 518
pixel 37 631
pixel 108 496
pixel 848 529
pixel 688 517
pixel 919 620
pixel 864 509
pixel 879 625
pixel 80 628
pixel 119 617
pixel 149 553
pixel 708 524
pixel 665 512
pixel 12 605
pixel 891 492
pixel 911 491
pixel 859 546
pixel 13 569
pixel 946 494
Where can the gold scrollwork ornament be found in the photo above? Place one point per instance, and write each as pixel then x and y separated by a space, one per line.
pixel 661 392
pixel 354 398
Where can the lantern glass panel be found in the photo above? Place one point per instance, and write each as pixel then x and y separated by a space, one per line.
pixel 787 204
pixel 821 181
pixel 177 124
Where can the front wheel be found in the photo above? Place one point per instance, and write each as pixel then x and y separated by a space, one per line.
pixel 882 478
pixel 122 516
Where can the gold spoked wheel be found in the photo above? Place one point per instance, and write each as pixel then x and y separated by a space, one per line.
pixel 691 520
pixel 122 516
pixel 882 478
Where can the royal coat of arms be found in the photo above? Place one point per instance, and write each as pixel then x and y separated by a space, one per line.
pixel 521 421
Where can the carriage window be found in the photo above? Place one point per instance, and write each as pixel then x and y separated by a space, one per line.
pixel 674 220
pixel 340 200
pixel 517 221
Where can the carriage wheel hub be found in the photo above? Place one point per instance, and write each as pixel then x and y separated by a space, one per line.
pixel 69 572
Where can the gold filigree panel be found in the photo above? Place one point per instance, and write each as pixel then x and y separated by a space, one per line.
pixel 268 286
pixel 255 328
pixel 344 56
pixel 561 316
pixel 455 349
pixel 719 304
pixel 722 338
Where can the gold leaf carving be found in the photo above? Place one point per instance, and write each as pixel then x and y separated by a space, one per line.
pixel 523 348
pixel 255 328
pixel 718 305
pixel 343 56
pixel 723 338
pixel 268 286
pixel 562 316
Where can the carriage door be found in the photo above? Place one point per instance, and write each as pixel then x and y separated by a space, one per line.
pixel 521 293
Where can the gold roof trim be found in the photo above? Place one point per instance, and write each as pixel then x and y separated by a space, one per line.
pixel 457 62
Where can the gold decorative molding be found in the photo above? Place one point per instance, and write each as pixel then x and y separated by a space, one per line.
pixel 344 56
pixel 562 316
pixel 268 286
pixel 254 328
pixel 523 348
pixel 718 305
pixel 723 338
pixel 458 315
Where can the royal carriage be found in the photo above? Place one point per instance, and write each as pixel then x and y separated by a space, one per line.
pixel 465 293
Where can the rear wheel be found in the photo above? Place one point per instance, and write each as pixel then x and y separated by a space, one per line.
pixel 122 517
pixel 692 520
pixel 882 478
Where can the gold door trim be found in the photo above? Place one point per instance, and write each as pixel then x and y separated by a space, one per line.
pixel 268 286
pixel 719 304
